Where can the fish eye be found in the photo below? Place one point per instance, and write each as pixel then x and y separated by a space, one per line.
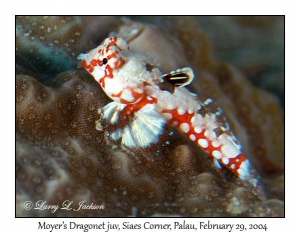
pixel 104 61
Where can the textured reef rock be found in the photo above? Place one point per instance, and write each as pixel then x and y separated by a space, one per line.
pixel 60 155
pixel 253 43
pixel 51 43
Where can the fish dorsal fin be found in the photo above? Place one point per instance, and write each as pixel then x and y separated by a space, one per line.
pixel 180 77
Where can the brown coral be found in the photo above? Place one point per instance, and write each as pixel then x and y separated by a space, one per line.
pixel 51 43
pixel 61 156
pixel 255 44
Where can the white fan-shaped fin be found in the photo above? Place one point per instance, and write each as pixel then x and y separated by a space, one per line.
pixel 142 131
pixel 111 111
pixel 145 129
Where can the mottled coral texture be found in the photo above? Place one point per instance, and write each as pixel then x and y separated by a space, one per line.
pixel 61 156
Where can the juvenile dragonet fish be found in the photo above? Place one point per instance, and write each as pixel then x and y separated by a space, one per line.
pixel 151 99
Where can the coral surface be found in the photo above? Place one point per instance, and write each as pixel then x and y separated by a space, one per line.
pixel 62 159
pixel 255 44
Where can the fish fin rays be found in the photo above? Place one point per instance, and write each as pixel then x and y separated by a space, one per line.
pixel 142 130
